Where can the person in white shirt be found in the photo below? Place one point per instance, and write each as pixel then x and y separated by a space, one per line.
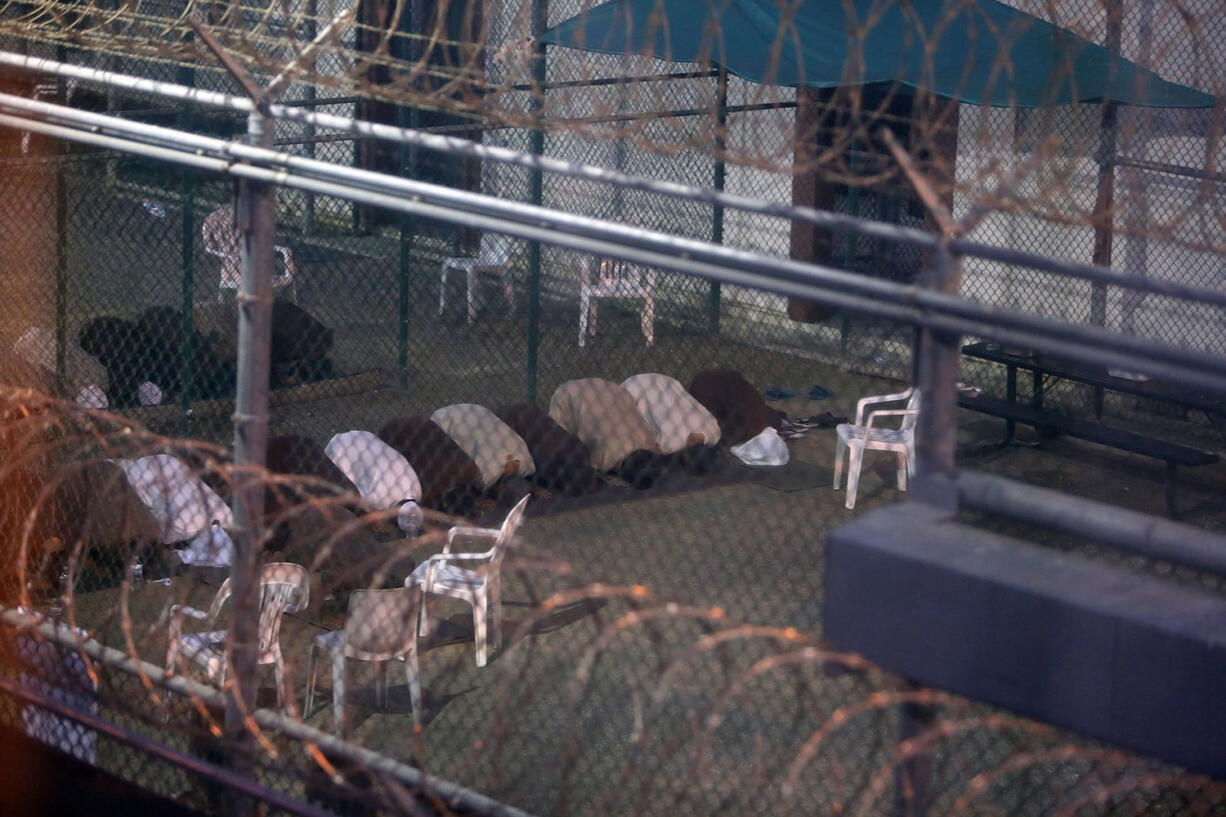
pixel 677 418
pixel 186 509
pixel 382 475
pixel 495 447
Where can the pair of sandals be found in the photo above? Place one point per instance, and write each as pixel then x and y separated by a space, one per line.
pixel 795 428
pixel 780 393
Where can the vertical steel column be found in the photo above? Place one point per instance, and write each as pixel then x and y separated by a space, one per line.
pixel 312 10
pixel 187 300
pixel 61 247
pixel 1103 217
pixel 61 274
pixel 187 258
pixel 407 157
pixel 717 212
pixel 256 224
pixel 405 160
pixel 540 15
pixel 937 361
pixel 1136 181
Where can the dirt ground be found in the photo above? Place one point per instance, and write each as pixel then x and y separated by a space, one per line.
pixel 611 696
pixel 604 697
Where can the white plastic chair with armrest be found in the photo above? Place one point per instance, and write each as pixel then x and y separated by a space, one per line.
pixel 220 238
pixel 380 626
pixel 867 433
pixel 481 586
pixel 284 588
pixel 616 279
pixel 493 255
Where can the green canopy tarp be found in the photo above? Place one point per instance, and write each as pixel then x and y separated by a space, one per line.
pixel 982 52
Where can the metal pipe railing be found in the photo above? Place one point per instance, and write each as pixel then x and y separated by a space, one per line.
pixel 331 745
pixel 453 145
pixel 939 311
pixel 1131 531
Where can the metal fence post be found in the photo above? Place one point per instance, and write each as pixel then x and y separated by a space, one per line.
pixel 1103 217
pixel 61 273
pixel 256 224
pixel 407 158
pixel 61 246
pixel 937 369
pixel 308 221
pixel 187 299
pixel 717 182
pixel 406 251
pixel 187 259
pixel 540 16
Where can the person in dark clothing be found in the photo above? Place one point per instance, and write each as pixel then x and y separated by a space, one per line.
pixel 126 350
pixel 563 462
pixel 450 480
pixel 741 411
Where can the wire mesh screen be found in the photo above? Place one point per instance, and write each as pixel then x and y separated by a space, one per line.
pixel 484 654
pixel 575 504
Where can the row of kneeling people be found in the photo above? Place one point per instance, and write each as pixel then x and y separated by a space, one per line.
pixel 445 462
pixel 636 430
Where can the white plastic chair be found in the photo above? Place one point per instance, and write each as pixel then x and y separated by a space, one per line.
pixel 616 279
pixel 284 588
pixel 481 587
pixel 493 255
pixel 380 626
pixel 220 237
pixel 867 434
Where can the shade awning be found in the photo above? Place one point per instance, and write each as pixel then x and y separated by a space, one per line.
pixel 984 52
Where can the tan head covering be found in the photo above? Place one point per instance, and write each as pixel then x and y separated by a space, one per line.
pixel 605 417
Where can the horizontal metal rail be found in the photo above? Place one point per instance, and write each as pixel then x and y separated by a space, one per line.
pixel 618 80
pixel 266 719
pixel 1170 169
pixel 453 145
pixel 1130 531
pixel 148 746
pixel 921 307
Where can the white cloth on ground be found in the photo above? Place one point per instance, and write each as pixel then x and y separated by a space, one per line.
pixel 671 411
pixel 185 507
pixel 488 440
pixel 382 475
pixel 768 448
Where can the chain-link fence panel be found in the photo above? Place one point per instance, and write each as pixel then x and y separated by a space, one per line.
pixel 576 505
pixel 484 654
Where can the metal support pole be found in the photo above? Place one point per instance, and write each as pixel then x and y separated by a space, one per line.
pixel 937 361
pixel 717 212
pixel 61 276
pixel 914 790
pixel 1103 217
pixel 540 14
pixel 256 224
pixel 312 7
pixel 406 160
pixel 61 248
pixel 187 300
pixel 187 260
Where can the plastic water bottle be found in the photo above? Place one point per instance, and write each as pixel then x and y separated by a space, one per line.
pixel 59 602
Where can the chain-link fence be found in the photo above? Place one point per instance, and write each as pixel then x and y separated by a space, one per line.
pixel 576 501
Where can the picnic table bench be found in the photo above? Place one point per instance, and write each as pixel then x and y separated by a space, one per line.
pixel 1032 413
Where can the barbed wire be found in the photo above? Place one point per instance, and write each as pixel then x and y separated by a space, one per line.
pixel 604 694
